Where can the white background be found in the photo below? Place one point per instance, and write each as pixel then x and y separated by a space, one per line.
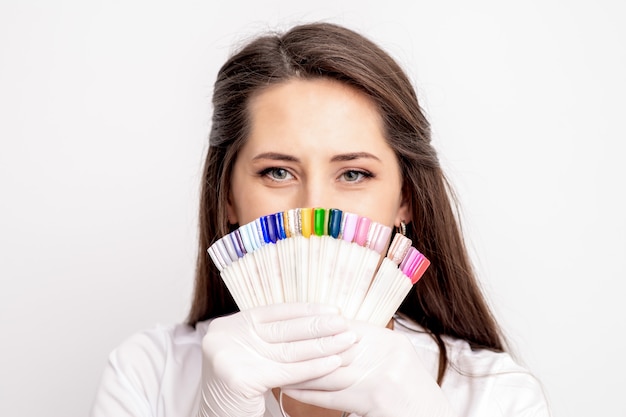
pixel 104 114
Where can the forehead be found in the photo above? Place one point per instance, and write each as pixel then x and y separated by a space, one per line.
pixel 321 111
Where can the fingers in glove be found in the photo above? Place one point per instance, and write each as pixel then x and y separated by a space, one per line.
pixel 338 380
pixel 303 350
pixel 281 374
pixel 301 328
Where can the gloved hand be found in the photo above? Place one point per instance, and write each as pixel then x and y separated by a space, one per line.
pixel 250 352
pixel 383 377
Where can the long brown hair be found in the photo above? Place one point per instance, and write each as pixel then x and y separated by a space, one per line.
pixel 447 300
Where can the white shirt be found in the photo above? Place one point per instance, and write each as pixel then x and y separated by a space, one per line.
pixel 157 373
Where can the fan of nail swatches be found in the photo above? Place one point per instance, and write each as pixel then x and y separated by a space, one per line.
pixel 319 255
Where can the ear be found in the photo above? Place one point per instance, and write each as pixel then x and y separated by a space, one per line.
pixel 404 211
pixel 231 210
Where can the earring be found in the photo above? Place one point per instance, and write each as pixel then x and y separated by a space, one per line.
pixel 402 228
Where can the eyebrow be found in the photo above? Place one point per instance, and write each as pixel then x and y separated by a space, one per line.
pixel 352 156
pixel 276 156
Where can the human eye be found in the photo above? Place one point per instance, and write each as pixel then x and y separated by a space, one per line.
pixel 355 176
pixel 276 174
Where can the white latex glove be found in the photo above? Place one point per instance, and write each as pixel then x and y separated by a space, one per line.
pixel 383 377
pixel 250 352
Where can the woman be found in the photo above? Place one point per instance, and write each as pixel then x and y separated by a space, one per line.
pixel 321 117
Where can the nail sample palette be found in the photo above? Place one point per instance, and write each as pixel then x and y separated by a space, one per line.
pixel 319 255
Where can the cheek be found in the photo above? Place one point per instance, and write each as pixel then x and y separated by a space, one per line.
pixel 388 201
pixel 380 204
pixel 247 201
pixel 383 210
pixel 251 202
pixel 240 197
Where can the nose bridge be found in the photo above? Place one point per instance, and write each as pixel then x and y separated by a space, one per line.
pixel 316 191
